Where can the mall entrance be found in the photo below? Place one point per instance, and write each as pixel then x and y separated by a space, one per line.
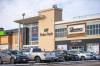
pixel 77 47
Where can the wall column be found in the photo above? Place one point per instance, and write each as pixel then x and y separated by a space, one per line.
pixel 19 37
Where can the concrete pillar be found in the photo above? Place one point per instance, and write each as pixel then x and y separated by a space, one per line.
pixel 19 37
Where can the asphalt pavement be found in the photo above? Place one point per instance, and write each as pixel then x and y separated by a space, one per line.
pixel 67 63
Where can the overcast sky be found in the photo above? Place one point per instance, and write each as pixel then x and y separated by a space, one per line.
pixel 11 10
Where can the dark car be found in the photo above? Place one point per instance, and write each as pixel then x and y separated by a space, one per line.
pixel 70 56
pixel 67 55
pixel 19 56
pixel 57 55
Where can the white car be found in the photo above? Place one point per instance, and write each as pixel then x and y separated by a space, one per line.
pixel 37 55
pixel 34 54
pixel 83 55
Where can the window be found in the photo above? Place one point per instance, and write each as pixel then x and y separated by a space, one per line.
pixel 34 33
pixel 61 32
pixel 46 30
pixel 36 50
pixel 93 29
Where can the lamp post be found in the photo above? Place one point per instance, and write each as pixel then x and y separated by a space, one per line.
pixel 23 14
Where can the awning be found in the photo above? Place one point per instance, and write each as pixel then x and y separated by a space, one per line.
pixel 30 20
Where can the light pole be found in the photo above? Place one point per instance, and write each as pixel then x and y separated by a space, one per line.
pixel 23 14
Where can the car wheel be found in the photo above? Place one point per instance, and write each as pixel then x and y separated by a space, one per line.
pixel 12 61
pixel 37 60
pixel 82 58
pixel 94 58
pixel 0 61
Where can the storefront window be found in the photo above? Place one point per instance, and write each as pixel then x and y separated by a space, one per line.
pixel 99 25
pixel 61 32
pixel 93 29
pixel 34 33
pixel 97 31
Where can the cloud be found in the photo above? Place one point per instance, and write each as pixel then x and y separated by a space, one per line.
pixel 11 10
pixel 81 8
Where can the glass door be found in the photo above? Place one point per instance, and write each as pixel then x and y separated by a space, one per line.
pixel 78 47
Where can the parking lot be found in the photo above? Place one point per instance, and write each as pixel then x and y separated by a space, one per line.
pixel 66 63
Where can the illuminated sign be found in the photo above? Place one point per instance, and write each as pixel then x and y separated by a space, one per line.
pixel 75 29
pixel 2 33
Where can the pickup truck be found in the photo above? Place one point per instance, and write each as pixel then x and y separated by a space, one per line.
pixel 37 55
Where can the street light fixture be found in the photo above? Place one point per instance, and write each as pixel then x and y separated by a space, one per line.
pixel 23 14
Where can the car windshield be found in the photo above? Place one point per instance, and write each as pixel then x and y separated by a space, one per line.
pixel 17 52
pixel 76 52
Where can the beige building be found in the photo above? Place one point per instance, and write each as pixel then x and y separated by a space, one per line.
pixel 49 32
pixel 47 28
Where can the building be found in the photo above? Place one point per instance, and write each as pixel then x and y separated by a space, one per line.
pixel 5 40
pixel 10 40
pixel 42 28
pixel 80 34
pixel 49 32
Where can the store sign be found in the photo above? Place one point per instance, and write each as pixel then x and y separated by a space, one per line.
pixel 76 41
pixel 45 34
pixel 74 29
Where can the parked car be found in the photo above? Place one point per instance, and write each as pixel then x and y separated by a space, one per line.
pixel 96 56
pixel 70 56
pixel 37 55
pixel 18 56
pixel 83 55
pixel 56 55
pixel 65 55
pixel 6 58
pixel 34 54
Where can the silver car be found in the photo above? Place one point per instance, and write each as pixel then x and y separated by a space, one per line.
pixel 96 56
pixel 6 58
pixel 83 55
